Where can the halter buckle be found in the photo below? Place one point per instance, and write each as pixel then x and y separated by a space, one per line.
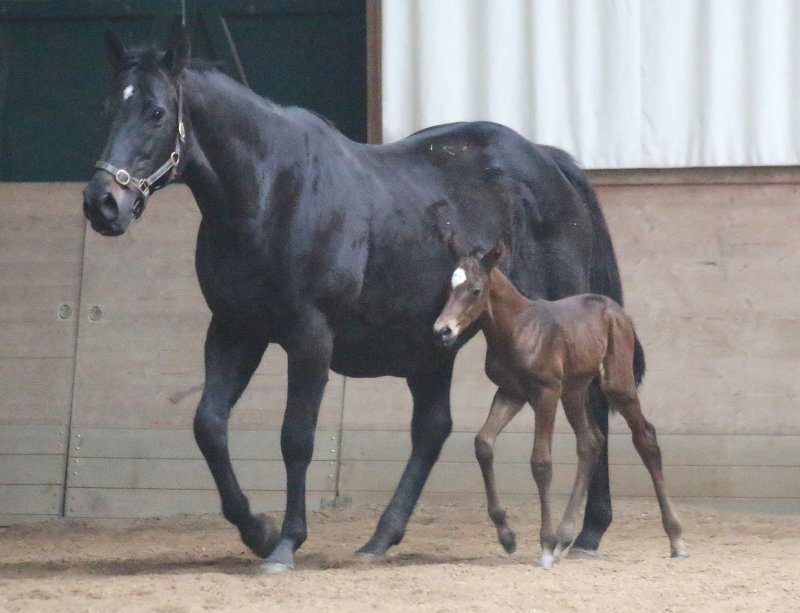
pixel 123 177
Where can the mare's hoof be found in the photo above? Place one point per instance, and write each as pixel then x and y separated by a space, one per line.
pixel 507 539
pixel 261 536
pixel 369 558
pixel 546 561
pixel 576 553
pixel 273 568
pixel 681 553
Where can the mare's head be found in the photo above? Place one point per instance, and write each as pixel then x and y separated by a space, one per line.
pixel 145 135
pixel 469 294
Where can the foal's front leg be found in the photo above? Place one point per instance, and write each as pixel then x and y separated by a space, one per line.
pixel 308 346
pixel 503 410
pixel 230 359
pixel 544 403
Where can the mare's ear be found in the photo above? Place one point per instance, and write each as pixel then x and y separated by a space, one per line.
pixel 453 245
pixel 495 254
pixel 177 53
pixel 115 50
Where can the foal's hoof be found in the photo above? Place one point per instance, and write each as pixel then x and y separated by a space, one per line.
pixel 261 536
pixel 507 539
pixel 576 553
pixel 273 568
pixel 681 553
pixel 546 561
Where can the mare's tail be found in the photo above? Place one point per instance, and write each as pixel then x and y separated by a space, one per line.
pixel 604 273
pixel 638 361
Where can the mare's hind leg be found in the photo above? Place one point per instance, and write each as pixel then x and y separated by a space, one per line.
pixel 624 399
pixel 430 426
pixel 503 410
pixel 597 516
pixel 309 344
pixel 544 406
pixel 589 444
pixel 230 360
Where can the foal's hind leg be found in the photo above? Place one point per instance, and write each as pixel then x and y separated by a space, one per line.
pixel 504 408
pixel 544 406
pixel 230 360
pixel 626 402
pixel 589 443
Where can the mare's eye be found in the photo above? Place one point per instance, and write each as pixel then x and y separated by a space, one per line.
pixel 157 114
pixel 476 291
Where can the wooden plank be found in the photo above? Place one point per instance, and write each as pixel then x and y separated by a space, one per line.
pixel 180 444
pixel 31 469
pixel 30 499
pixel 679 450
pixel 529 502
pixel 32 439
pixel 119 503
pixel 7 520
pixel 143 473
pixel 626 480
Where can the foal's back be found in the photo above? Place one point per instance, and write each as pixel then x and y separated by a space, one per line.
pixel 585 329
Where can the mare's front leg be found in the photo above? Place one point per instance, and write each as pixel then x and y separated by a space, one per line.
pixel 503 410
pixel 308 345
pixel 230 360
pixel 430 426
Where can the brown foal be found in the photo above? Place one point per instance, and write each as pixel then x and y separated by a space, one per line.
pixel 539 351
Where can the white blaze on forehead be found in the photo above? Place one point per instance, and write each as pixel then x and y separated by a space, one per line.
pixel 127 92
pixel 459 276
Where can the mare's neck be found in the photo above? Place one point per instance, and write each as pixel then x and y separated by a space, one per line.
pixel 238 143
pixel 499 320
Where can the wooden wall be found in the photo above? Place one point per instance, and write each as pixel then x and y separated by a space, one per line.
pixel 711 276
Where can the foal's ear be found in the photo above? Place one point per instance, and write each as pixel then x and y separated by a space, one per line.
pixel 177 53
pixel 115 50
pixel 495 254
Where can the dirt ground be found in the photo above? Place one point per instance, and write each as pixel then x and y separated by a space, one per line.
pixel 449 561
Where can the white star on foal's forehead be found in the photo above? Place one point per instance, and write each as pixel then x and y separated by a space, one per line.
pixel 459 276
pixel 127 92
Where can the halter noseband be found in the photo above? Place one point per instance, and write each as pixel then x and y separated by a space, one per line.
pixel 148 185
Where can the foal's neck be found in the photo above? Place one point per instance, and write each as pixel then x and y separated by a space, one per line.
pixel 505 302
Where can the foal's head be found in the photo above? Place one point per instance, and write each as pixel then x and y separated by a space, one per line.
pixel 143 137
pixel 469 294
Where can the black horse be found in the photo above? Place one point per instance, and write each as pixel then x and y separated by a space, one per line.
pixel 333 250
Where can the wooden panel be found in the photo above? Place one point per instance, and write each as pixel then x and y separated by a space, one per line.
pixel 41 245
pixel 141 364
pixel 35 440
pixel 180 444
pixel 30 499
pixel 31 469
pixel 119 503
pixel 146 473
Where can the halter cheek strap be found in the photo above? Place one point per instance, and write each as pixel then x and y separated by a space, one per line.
pixel 148 185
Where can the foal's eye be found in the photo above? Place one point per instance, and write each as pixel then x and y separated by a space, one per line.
pixel 157 114
pixel 476 291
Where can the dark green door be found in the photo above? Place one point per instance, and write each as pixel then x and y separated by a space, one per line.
pixel 53 76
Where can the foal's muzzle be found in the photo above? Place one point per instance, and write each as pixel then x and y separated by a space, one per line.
pixel 445 335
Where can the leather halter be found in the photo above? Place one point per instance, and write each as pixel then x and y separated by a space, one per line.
pixel 145 186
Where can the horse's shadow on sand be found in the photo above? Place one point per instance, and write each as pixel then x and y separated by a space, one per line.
pixel 235 565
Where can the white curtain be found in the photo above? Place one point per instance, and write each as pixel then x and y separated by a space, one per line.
pixel 618 83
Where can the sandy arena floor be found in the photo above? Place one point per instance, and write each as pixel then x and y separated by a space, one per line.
pixel 449 561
